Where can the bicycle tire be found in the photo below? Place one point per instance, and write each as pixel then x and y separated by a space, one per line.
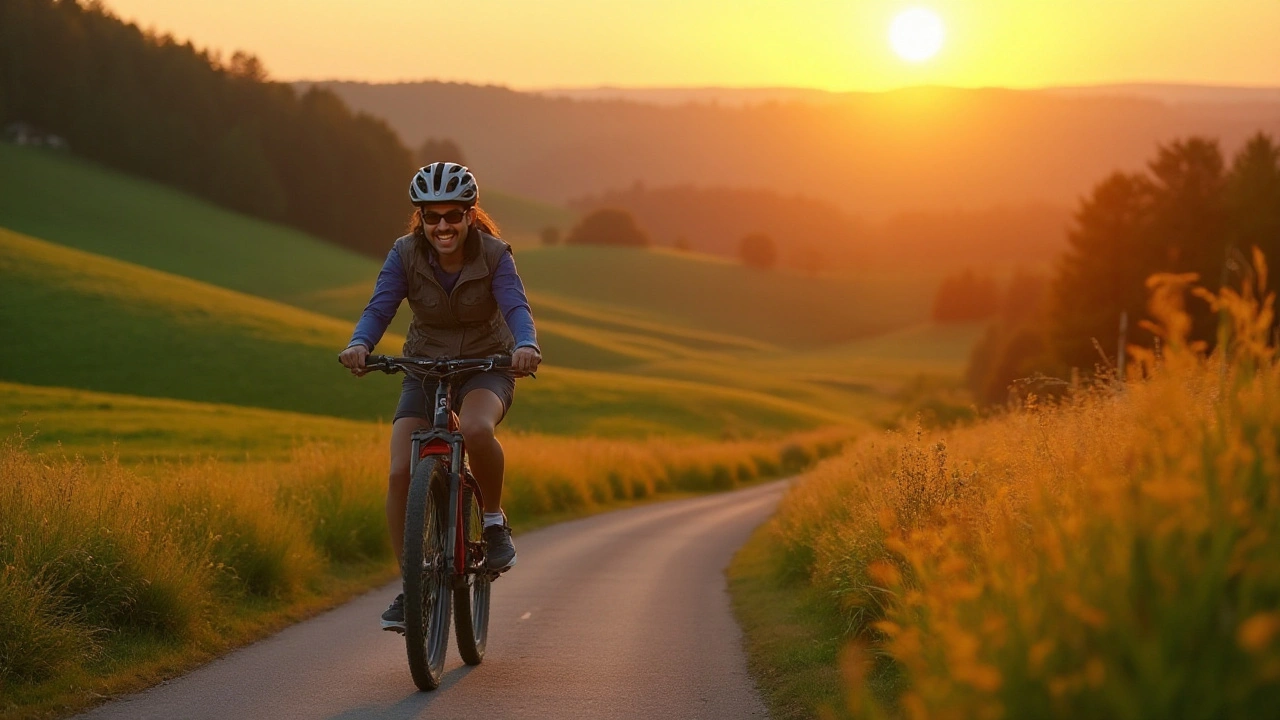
pixel 427 574
pixel 471 598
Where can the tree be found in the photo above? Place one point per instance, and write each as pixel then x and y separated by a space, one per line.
pixel 1014 345
pixel 439 150
pixel 550 236
pixel 146 104
pixel 608 226
pixel 1181 216
pixel 758 251
pixel 1103 271
pixel 1253 200
pixel 247 66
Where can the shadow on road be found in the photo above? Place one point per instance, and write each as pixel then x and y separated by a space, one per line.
pixel 411 706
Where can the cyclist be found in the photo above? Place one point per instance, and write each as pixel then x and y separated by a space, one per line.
pixel 467 301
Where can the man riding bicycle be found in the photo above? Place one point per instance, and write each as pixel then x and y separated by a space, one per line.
pixel 468 301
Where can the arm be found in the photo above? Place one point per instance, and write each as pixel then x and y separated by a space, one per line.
pixel 389 291
pixel 508 290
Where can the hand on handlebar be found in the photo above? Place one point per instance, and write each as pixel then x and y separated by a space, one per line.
pixel 353 359
pixel 525 360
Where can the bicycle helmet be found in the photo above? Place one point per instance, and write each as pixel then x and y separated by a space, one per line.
pixel 444 182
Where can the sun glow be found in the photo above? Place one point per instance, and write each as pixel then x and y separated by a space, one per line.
pixel 916 34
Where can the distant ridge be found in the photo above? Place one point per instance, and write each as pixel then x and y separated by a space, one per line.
pixel 871 154
pixel 1175 93
pixel 1172 93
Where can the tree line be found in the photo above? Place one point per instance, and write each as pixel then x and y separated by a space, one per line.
pixel 1189 212
pixel 221 129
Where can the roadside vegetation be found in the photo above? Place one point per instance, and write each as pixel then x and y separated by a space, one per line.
pixel 114 575
pixel 1111 554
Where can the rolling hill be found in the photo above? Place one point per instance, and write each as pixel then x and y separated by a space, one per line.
pixel 96 323
pixel 691 298
pixel 638 342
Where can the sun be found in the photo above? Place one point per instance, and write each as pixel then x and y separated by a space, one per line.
pixel 916 34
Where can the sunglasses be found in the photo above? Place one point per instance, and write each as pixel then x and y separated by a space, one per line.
pixel 453 217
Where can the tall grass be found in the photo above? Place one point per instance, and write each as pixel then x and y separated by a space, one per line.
pixel 89 552
pixel 1113 555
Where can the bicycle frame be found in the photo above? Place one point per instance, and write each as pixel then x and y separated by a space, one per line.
pixel 444 439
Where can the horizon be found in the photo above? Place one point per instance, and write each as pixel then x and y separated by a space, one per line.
pixel 805 88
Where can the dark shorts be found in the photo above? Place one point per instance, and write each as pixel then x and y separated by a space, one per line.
pixel 415 401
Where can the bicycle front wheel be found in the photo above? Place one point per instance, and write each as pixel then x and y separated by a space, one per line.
pixel 427 571
pixel 471 599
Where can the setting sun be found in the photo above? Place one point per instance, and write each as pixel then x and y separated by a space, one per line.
pixel 916 34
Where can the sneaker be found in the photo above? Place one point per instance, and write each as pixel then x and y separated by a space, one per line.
pixel 500 554
pixel 393 618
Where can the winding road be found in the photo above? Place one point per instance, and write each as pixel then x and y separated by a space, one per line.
pixel 620 615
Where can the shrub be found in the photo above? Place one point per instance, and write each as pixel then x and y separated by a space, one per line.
pixel 608 226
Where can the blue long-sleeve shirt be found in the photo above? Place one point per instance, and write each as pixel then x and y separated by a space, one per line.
pixel 392 288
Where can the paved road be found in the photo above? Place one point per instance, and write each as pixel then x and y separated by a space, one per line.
pixel 621 615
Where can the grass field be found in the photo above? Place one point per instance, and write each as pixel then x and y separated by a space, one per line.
pixel 1113 555
pixel 135 429
pixel 780 308
pixel 99 324
pixel 667 317
pixel 661 293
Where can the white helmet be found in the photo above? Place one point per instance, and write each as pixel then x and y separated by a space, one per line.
pixel 444 182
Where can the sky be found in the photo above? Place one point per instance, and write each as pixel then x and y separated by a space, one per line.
pixel 838 45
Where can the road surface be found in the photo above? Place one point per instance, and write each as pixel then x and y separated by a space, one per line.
pixel 620 615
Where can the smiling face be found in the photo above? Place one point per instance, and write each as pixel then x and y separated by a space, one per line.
pixel 445 235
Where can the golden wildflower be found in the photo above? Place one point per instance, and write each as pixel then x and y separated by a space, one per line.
pixel 1256 633
pixel 887 627
pixel 981 676
pixel 884 573
pixel 1095 672
pixel 1038 653
pixel 1087 614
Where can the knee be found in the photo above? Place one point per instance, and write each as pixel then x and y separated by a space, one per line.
pixel 476 430
pixel 399 476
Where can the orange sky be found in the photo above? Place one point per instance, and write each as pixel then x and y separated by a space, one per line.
pixel 826 44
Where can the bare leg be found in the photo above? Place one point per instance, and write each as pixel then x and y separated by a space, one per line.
pixel 398 481
pixel 481 412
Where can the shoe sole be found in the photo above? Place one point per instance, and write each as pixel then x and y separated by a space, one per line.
pixel 393 626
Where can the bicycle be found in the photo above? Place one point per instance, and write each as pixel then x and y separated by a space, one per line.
pixel 443 529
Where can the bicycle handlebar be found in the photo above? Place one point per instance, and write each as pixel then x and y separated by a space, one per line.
pixel 434 366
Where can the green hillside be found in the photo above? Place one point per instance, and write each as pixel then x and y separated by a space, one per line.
pixel 87 423
pixel 675 289
pixel 63 199
pixel 100 324
pixel 151 225
pixel 661 315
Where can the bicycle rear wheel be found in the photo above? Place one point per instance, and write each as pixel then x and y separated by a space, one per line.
pixel 471 599
pixel 427 571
